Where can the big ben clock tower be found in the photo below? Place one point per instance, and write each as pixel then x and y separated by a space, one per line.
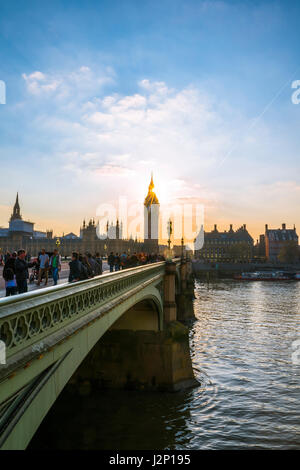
pixel 151 220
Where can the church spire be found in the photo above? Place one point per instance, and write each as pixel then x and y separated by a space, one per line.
pixel 151 185
pixel 16 210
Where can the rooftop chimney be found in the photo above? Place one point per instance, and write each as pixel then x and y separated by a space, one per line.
pixel 266 227
pixel 215 228
pixel 283 226
pixel 244 226
pixel 230 227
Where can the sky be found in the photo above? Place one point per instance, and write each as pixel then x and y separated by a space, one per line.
pixel 101 93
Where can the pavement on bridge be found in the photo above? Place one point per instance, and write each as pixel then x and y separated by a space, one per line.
pixel 63 278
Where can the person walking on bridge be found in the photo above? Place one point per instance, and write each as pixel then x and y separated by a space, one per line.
pixel 21 271
pixel 134 260
pixel 10 263
pixel 44 267
pixel 55 265
pixel 123 259
pixel 111 261
pixel 117 262
pixel 99 262
pixel 76 268
pixel 10 282
pixel 9 275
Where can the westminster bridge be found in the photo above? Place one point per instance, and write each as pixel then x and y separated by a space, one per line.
pixel 118 330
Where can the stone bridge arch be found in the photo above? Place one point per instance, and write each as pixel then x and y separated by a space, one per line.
pixel 51 332
pixel 42 357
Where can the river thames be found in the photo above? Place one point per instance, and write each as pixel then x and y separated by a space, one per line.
pixel 248 396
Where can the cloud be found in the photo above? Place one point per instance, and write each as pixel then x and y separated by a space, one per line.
pixel 66 85
pixel 38 83
pixel 160 125
pixel 108 144
pixel 113 170
pixel 178 133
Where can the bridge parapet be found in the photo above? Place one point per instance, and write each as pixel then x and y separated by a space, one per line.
pixel 27 319
pixel 53 335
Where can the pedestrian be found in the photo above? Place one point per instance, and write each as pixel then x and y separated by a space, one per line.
pixel 76 268
pixel 21 271
pixel 111 261
pixel 55 265
pixel 99 262
pixel 134 260
pixel 123 259
pixel 93 264
pixel 142 258
pixel 117 262
pixel 10 263
pixel 44 266
pixel 85 260
pixel 84 273
pixel 10 282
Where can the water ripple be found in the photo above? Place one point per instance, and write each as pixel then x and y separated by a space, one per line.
pixel 249 387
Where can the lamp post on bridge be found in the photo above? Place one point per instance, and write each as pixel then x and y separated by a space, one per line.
pixel 182 247
pixel 170 231
pixel 57 243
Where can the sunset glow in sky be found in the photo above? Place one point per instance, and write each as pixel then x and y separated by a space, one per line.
pixel 99 94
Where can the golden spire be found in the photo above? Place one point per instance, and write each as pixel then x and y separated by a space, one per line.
pixel 151 185
pixel 151 197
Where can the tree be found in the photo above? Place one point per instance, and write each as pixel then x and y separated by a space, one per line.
pixel 239 251
pixel 289 253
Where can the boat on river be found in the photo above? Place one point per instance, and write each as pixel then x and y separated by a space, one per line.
pixel 267 276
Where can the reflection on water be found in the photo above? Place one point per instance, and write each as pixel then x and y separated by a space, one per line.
pixel 249 396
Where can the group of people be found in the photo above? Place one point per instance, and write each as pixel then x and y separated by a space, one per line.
pixel 121 261
pixel 16 265
pixel 84 266
pixel 88 266
pixel 16 274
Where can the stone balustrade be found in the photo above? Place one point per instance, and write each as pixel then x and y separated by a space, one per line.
pixel 28 318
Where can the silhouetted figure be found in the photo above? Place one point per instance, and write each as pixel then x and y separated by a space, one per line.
pixel 111 261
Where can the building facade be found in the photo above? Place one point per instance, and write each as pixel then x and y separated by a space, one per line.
pixel 226 246
pixel 276 239
pixel 21 234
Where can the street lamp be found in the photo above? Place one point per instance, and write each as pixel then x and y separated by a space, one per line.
pixel 182 247
pixel 169 229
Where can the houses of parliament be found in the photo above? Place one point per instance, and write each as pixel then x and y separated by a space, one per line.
pixel 21 234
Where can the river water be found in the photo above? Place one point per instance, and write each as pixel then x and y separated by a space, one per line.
pixel 243 352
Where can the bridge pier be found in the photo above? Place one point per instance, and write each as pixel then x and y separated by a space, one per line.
pixel 138 360
pixel 185 297
pixel 139 353
pixel 170 308
pixel 118 330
